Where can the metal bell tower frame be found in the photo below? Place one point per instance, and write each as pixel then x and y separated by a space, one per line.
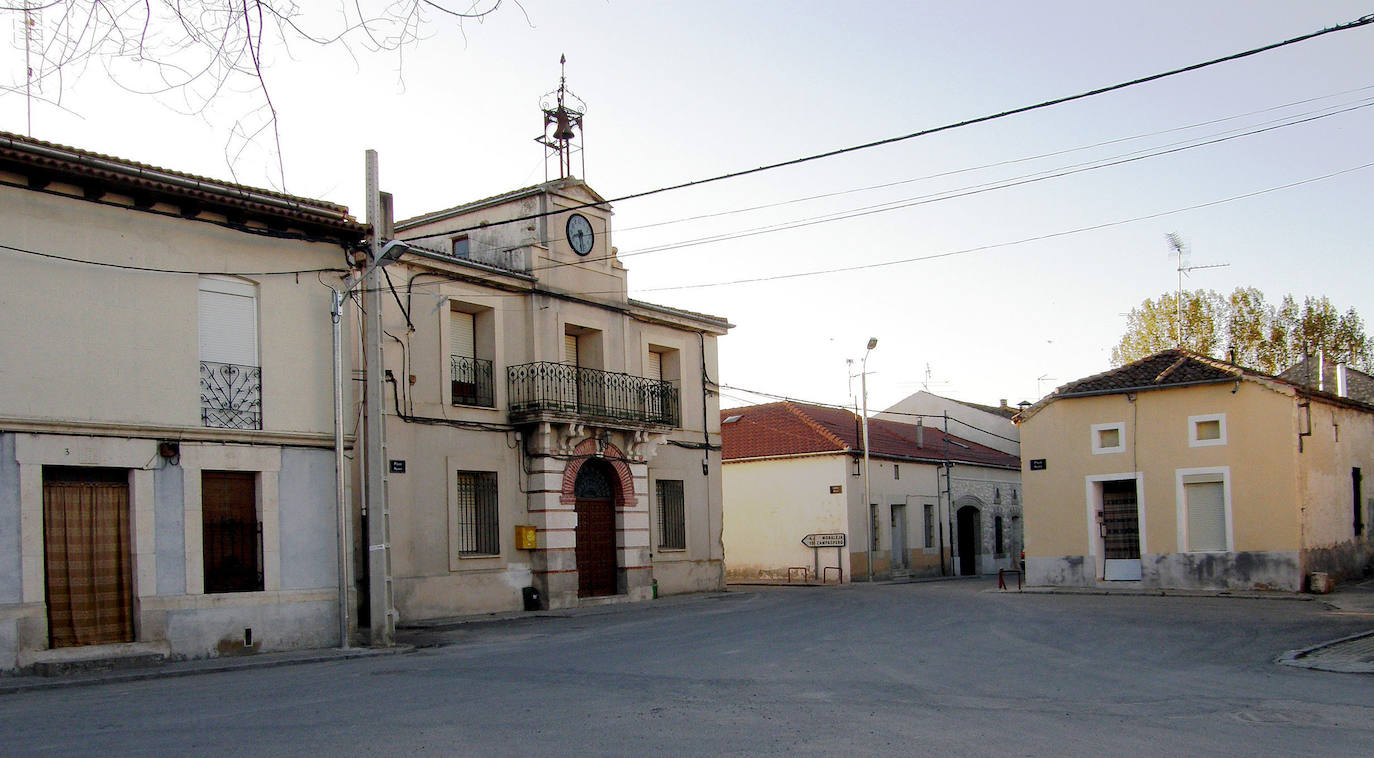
pixel 562 126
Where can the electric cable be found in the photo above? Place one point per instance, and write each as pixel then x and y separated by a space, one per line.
pixel 151 269
pixel 1357 23
pixel 952 194
pixel 1010 243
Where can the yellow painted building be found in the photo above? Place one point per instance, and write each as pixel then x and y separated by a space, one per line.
pixel 1181 471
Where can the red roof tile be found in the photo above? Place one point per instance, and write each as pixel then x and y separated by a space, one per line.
pixel 787 428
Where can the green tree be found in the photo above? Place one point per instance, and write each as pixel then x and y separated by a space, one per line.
pixel 1153 326
pixel 1243 327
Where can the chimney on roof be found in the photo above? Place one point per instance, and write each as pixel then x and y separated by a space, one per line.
pixel 1341 387
pixel 920 432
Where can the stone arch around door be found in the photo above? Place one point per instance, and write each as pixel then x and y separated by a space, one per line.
pixel 600 487
pixel 969 533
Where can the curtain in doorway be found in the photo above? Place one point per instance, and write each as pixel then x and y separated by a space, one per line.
pixel 89 566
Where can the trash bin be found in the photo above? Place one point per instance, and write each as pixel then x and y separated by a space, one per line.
pixel 532 599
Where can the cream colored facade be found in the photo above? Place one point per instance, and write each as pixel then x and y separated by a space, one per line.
pixel 104 374
pixel 635 400
pixel 1287 504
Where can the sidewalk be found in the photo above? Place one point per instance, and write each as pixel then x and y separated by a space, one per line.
pixel 1347 655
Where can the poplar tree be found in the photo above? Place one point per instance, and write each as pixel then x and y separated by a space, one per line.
pixel 1245 328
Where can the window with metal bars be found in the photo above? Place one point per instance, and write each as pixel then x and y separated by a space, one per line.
pixel 231 531
pixel 477 526
pixel 672 514
pixel 929 525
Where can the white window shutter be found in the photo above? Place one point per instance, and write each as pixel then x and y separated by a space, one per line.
pixel 461 340
pixel 1206 516
pixel 228 321
pixel 654 368
pixel 570 349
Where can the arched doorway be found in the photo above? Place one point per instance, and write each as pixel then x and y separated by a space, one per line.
pixel 969 526
pixel 594 491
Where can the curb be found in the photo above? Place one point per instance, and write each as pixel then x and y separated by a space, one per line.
pixel 1220 594
pixel 1295 658
pixel 172 670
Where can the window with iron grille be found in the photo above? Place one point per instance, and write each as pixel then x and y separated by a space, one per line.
pixel 477 527
pixel 230 370
pixel 672 514
pixel 231 531
pixel 930 525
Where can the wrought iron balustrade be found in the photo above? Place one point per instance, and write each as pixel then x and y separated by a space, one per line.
pixel 230 396
pixel 587 393
pixel 471 380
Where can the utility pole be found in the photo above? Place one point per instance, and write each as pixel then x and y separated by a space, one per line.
pixel 868 507
pixel 383 622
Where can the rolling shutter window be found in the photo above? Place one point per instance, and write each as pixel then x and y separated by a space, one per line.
pixel 228 321
pixel 461 338
pixel 654 368
pixel 570 349
pixel 1206 516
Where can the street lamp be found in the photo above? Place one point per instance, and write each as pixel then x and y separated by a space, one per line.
pixel 388 254
pixel 868 507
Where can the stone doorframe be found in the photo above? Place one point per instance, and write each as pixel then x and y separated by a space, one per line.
pixel 557 452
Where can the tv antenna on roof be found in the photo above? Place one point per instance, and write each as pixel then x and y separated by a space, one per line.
pixel 1178 247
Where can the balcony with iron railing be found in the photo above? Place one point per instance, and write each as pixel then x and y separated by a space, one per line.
pixel 230 396
pixel 471 382
pixel 560 391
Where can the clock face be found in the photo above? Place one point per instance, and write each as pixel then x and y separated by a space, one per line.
pixel 580 234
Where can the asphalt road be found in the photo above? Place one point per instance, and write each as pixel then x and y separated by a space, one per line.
pixel 940 668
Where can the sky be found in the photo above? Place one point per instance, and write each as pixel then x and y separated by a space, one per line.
pixel 1006 291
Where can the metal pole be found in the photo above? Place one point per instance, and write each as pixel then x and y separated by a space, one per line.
pixel 383 627
pixel 868 508
pixel 345 511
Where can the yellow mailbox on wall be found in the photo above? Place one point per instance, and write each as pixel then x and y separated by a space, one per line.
pixel 526 538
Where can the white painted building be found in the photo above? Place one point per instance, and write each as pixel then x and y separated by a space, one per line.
pixel 989 425
pixel 938 504
pixel 166 465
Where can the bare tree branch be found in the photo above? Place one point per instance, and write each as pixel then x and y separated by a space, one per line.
pixel 201 51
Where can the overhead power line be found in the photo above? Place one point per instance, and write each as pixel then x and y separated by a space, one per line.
pixel 1357 23
pixel 1010 243
pixel 787 399
pixel 957 193
pixel 154 270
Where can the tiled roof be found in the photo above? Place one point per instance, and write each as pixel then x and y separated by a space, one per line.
pixel 787 428
pixel 1163 369
pixel 1359 385
pixel 99 172
pixel 1181 368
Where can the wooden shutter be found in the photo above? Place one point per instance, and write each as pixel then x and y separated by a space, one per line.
pixel 228 321
pixel 654 368
pixel 1206 516
pixel 461 340
pixel 570 349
